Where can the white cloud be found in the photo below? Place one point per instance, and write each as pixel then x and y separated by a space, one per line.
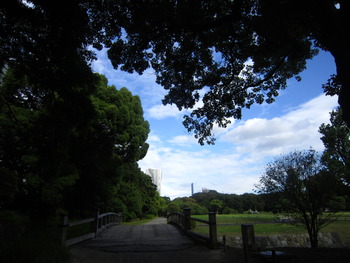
pixel 217 131
pixel 161 112
pixel 183 140
pixel 316 110
pixel 297 129
pixel 225 172
pixel 152 138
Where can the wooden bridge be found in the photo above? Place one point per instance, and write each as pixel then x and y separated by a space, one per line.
pixel 156 241
pixel 160 242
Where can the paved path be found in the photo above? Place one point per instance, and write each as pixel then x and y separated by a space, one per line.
pixel 155 242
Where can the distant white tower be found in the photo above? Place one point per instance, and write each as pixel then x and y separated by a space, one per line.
pixel 156 175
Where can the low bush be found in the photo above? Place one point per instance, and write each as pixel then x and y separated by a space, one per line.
pixel 28 242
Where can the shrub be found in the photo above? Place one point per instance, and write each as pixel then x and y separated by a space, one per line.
pixel 37 243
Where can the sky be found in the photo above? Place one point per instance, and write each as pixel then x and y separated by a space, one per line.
pixel 236 162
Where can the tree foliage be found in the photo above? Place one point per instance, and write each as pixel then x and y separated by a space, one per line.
pixel 77 153
pixel 229 203
pixel 136 195
pixel 178 204
pixel 38 128
pixel 109 150
pixel 304 186
pixel 215 205
pixel 336 139
pixel 236 53
pixel 226 54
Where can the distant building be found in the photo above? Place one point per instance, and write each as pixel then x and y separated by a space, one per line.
pixel 156 175
pixel 205 190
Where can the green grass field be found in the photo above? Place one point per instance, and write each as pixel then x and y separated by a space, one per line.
pixel 230 225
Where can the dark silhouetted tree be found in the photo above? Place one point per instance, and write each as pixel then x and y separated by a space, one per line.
pixel 235 53
pixel 116 137
pixel 336 139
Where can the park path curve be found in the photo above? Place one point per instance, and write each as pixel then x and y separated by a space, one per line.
pixel 154 242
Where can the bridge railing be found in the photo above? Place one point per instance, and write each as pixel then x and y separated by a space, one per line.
pixel 97 225
pixel 184 222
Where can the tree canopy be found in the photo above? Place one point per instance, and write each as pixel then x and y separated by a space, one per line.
pixel 229 203
pixel 226 54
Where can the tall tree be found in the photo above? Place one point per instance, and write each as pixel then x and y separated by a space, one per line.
pixel 116 138
pixel 64 152
pixel 136 195
pixel 336 140
pixel 304 186
pixel 38 126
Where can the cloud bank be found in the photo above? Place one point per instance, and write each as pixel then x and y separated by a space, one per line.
pixel 242 150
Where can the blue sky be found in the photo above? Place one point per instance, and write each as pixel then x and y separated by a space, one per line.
pixel 237 160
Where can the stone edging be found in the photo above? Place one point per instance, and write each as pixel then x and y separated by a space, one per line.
pixel 330 240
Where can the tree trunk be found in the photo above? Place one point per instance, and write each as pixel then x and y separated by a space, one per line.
pixel 333 35
pixel 343 72
pixel 313 238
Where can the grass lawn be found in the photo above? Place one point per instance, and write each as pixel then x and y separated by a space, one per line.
pixel 230 225
pixel 241 218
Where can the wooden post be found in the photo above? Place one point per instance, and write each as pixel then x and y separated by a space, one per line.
pixel 63 229
pixel 212 230
pixel 273 252
pixel 120 218
pixel 245 251
pixel 224 241
pixel 95 224
pixel 102 221
pixel 187 219
pixel 248 237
